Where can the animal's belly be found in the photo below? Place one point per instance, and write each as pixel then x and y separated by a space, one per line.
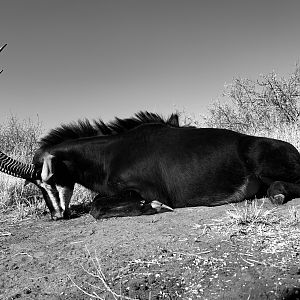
pixel 247 189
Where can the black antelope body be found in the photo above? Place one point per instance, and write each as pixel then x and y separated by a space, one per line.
pixel 157 167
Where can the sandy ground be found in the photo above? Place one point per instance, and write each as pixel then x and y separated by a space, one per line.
pixel 185 254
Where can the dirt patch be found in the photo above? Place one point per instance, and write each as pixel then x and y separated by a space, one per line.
pixel 187 254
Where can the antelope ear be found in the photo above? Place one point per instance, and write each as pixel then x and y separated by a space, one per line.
pixel 174 120
pixel 48 168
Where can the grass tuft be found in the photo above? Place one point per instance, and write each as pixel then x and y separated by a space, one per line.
pixel 272 230
pixel 251 212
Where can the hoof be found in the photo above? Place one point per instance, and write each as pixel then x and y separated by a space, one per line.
pixel 57 215
pixel 160 207
pixel 277 199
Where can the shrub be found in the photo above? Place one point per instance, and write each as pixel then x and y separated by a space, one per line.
pixel 258 105
pixel 19 138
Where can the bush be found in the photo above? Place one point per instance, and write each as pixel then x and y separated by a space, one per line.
pixel 254 106
pixel 20 138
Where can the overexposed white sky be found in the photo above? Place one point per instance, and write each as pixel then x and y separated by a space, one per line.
pixel 95 58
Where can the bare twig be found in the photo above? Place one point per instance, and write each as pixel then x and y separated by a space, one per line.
pixel 192 254
pixel 99 275
pixel 2 48
pixel 94 295
pixel 5 233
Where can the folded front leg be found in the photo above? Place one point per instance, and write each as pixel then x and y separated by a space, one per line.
pixel 125 204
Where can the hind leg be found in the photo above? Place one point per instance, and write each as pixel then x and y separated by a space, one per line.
pixel 281 192
pixel 277 165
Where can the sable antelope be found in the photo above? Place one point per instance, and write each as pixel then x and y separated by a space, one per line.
pixel 157 167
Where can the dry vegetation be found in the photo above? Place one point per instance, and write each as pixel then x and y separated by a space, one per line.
pixel 268 107
pixel 260 234
pixel 19 139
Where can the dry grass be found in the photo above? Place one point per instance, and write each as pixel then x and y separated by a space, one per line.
pixel 275 229
pixel 258 211
pixel 19 139
pixel 25 201
pixel 259 228
pixel 251 212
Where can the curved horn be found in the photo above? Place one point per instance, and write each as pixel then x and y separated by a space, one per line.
pixel 16 168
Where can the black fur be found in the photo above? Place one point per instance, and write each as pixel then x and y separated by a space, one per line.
pixel 180 167
pixel 84 128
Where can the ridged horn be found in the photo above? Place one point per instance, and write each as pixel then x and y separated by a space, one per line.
pixel 16 168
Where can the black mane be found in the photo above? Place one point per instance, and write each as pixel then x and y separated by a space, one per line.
pixel 84 128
